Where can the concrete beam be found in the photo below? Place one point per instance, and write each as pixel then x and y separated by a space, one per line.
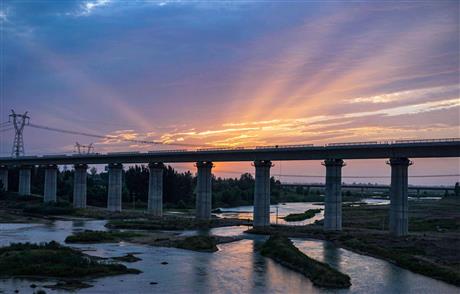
pixel 115 185
pixel 155 200
pixel 353 151
pixel 262 193
pixel 24 180
pixel 204 190
pixel 333 198
pixel 399 220
pixel 49 194
pixel 4 176
pixel 79 186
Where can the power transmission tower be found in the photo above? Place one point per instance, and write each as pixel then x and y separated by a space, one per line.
pixel 84 149
pixel 19 121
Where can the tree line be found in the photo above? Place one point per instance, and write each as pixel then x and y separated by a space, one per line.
pixel 178 187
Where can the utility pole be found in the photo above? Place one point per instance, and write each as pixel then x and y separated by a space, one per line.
pixel 19 121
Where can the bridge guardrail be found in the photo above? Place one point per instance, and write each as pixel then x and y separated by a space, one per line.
pixel 269 147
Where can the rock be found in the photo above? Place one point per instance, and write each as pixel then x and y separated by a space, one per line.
pixel 33 286
pixel 164 262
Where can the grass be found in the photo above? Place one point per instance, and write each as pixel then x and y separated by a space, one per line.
pixel 171 223
pixel 160 224
pixel 129 257
pixel 430 249
pixel 100 236
pixel 321 274
pixel 58 208
pixel 296 217
pixel 54 260
pixel 409 257
pixel 198 243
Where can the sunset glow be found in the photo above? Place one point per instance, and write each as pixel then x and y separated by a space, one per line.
pixel 231 73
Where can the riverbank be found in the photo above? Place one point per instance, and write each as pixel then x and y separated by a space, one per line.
pixel 175 223
pixel 295 217
pixel 52 260
pixel 167 270
pixel 160 239
pixel 321 274
pixel 430 249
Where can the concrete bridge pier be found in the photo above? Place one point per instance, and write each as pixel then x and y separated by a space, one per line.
pixel 399 196
pixel 262 193
pixel 79 186
pixel 24 180
pixel 49 194
pixel 204 190
pixel 4 176
pixel 155 201
pixel 333 199
pixel 115 185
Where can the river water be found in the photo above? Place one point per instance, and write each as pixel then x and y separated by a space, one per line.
pixel 236 268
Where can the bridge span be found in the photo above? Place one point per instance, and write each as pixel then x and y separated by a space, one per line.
pixel 363 187
pixel 333 155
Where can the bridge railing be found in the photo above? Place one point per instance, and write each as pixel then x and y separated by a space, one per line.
pixel 357 143
pixel 427 140
pixel 268 147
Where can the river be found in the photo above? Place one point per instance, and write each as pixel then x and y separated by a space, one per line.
pixel 236 268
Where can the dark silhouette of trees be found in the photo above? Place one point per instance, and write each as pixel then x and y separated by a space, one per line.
pixel 178 187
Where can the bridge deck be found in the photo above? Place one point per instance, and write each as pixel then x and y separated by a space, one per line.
pixel 364 150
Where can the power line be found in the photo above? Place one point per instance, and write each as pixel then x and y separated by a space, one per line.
pixel 109 137
pixel 7 129
pixel 346 177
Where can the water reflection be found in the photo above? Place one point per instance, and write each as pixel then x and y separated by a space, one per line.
pixel 277 212
pixel 236 268
pixel 332 255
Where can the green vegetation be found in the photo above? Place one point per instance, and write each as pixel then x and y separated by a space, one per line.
pixel 159 224
pixel 430 249
pixel 54 260
pixel 172 223
pixel 296 217
pixel 198 243
pixel 130 257
pixel 58 208
pixel 178 189
pixel 100 236
pixel 424 216
pixel 283 251
pixel 67 285
pixel 409 257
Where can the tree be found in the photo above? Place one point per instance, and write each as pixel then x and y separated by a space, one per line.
pixel 457 189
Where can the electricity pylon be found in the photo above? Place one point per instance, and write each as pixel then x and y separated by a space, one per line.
pixel 84 149
pixel 19 121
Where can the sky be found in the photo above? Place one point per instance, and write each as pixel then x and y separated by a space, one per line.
pixel 234 74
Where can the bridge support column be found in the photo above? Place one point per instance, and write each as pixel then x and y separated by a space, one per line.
pixel 79 186
pixel 49 194
pixel 333 199
pixel 155 201
pixel 115 185
pixel 262 193
pixel 204 190
pixel 24 180
pixel 4 176
pixel 399 196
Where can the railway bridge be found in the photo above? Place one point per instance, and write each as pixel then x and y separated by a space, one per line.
pixel 398 154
